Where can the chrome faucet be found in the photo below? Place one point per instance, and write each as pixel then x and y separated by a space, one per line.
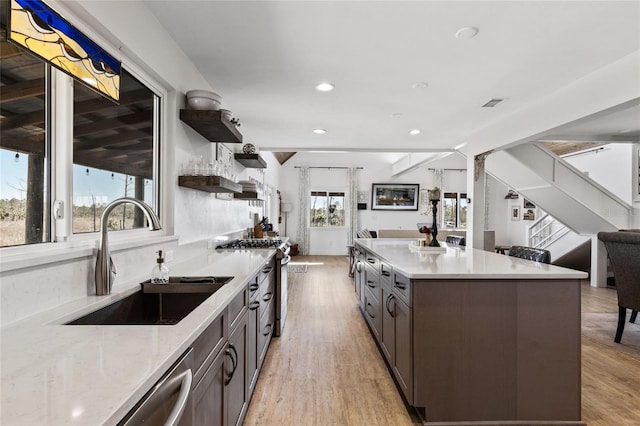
pixel 105 269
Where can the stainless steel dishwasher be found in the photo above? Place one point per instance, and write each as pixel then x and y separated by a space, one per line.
pixel 168 403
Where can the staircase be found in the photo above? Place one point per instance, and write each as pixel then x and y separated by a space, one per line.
pixel 558 188
pixel 549 234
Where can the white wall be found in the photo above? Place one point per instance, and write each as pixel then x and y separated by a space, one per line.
pixel 611 167
pixel 376 169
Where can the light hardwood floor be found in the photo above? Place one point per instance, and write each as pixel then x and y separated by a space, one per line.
pixel 326 369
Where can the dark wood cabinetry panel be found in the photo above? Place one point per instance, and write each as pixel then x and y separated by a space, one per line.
pixel 209 395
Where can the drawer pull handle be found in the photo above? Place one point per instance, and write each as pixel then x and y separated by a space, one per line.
pixel 254 305
pixel 367 310
pixel 391 298
pixel 386 274
pixel 234 362
pixel 253 287
pixel 270 328
pixel 372 261
pixel 400 285
pixel 267 296
pixel 369 284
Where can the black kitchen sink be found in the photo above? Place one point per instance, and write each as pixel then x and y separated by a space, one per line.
pixel 151 305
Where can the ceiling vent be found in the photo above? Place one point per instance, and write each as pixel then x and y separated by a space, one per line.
pixel 492 103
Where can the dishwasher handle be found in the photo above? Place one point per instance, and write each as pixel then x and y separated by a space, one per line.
pixel 181 403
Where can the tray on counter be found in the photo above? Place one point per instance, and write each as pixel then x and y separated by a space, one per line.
pixel 414 246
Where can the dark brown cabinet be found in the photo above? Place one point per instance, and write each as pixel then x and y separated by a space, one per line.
pixel 396 339
pixel 220 394
pixel 253 322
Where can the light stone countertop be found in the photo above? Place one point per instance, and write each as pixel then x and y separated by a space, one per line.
pixel 460 262
pixel 55 374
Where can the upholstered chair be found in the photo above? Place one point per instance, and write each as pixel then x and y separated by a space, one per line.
pixel 530 253
pixel 623 249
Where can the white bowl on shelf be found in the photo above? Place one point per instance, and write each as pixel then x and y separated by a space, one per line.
pixel 204 100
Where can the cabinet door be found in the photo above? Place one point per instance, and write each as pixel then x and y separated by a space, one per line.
pixel 357 280
pixel 387 329
pixel 208 395
pixel 371 310
pixel 403 355
pixel 267 323
pixel 237 380
pixel 253 355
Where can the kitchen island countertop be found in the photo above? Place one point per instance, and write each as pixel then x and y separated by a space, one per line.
pixel 460 262
pixel 56 374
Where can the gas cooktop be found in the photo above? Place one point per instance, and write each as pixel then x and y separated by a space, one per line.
pixel 252 244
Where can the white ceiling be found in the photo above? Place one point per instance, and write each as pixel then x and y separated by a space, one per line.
pixel 265 57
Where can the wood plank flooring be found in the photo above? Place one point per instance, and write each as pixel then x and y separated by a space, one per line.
pixel 326 369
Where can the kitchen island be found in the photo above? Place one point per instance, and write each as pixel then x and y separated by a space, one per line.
pixel 56 374
pixel 472 336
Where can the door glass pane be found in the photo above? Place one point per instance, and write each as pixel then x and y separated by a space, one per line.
pixel 24 161
pixel 113 154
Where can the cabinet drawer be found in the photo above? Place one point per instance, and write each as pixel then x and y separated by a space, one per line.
pixel 209 343
pixel 402 287
pixel 372 260
pixel 265 299
pixel 237 308
pixel 372 281
pixel 386 271
pixel 267 268
pixel 254 287
pixel 371 309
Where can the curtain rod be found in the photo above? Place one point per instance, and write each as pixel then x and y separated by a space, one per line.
pixel 329 167
pixel 458 170
pixel 589 151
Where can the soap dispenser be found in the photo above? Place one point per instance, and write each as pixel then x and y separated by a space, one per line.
pixel 160 272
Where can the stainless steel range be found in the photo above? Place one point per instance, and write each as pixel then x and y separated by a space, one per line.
pixel 282 259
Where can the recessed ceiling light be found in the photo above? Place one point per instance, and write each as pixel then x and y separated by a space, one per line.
pixel 414 132
pixel 466 33
pixel 420 85
pixel 396 115
pixel 325 87
pixel 319 131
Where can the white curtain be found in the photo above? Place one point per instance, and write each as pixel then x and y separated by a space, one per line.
pixel 352 205
pixel 302 237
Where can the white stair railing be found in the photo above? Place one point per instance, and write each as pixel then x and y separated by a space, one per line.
pixel 544 231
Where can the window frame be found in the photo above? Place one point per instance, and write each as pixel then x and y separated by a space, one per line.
pixel 59 122
pixel 326 208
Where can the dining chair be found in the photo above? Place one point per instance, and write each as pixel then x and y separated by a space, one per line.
pixel 623 249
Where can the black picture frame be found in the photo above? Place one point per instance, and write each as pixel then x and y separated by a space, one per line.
pixel 395 196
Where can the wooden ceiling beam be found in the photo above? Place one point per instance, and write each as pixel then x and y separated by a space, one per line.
pixel 79 108
pixel 92 144
pixel 22 90
pixel 25 145
pixel 112 123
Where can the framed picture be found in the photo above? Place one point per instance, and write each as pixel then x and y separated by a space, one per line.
pixel 515 213
pixel 394 196
pixel 529 215
pixel 528 204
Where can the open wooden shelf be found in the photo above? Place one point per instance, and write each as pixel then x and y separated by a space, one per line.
pixel 210 184
pixel 211 125
pixel 252 161
pixel 247 196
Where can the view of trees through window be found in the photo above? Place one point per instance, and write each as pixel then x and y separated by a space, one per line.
pixel 24 160
pixel 112 154
pixel 327 208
